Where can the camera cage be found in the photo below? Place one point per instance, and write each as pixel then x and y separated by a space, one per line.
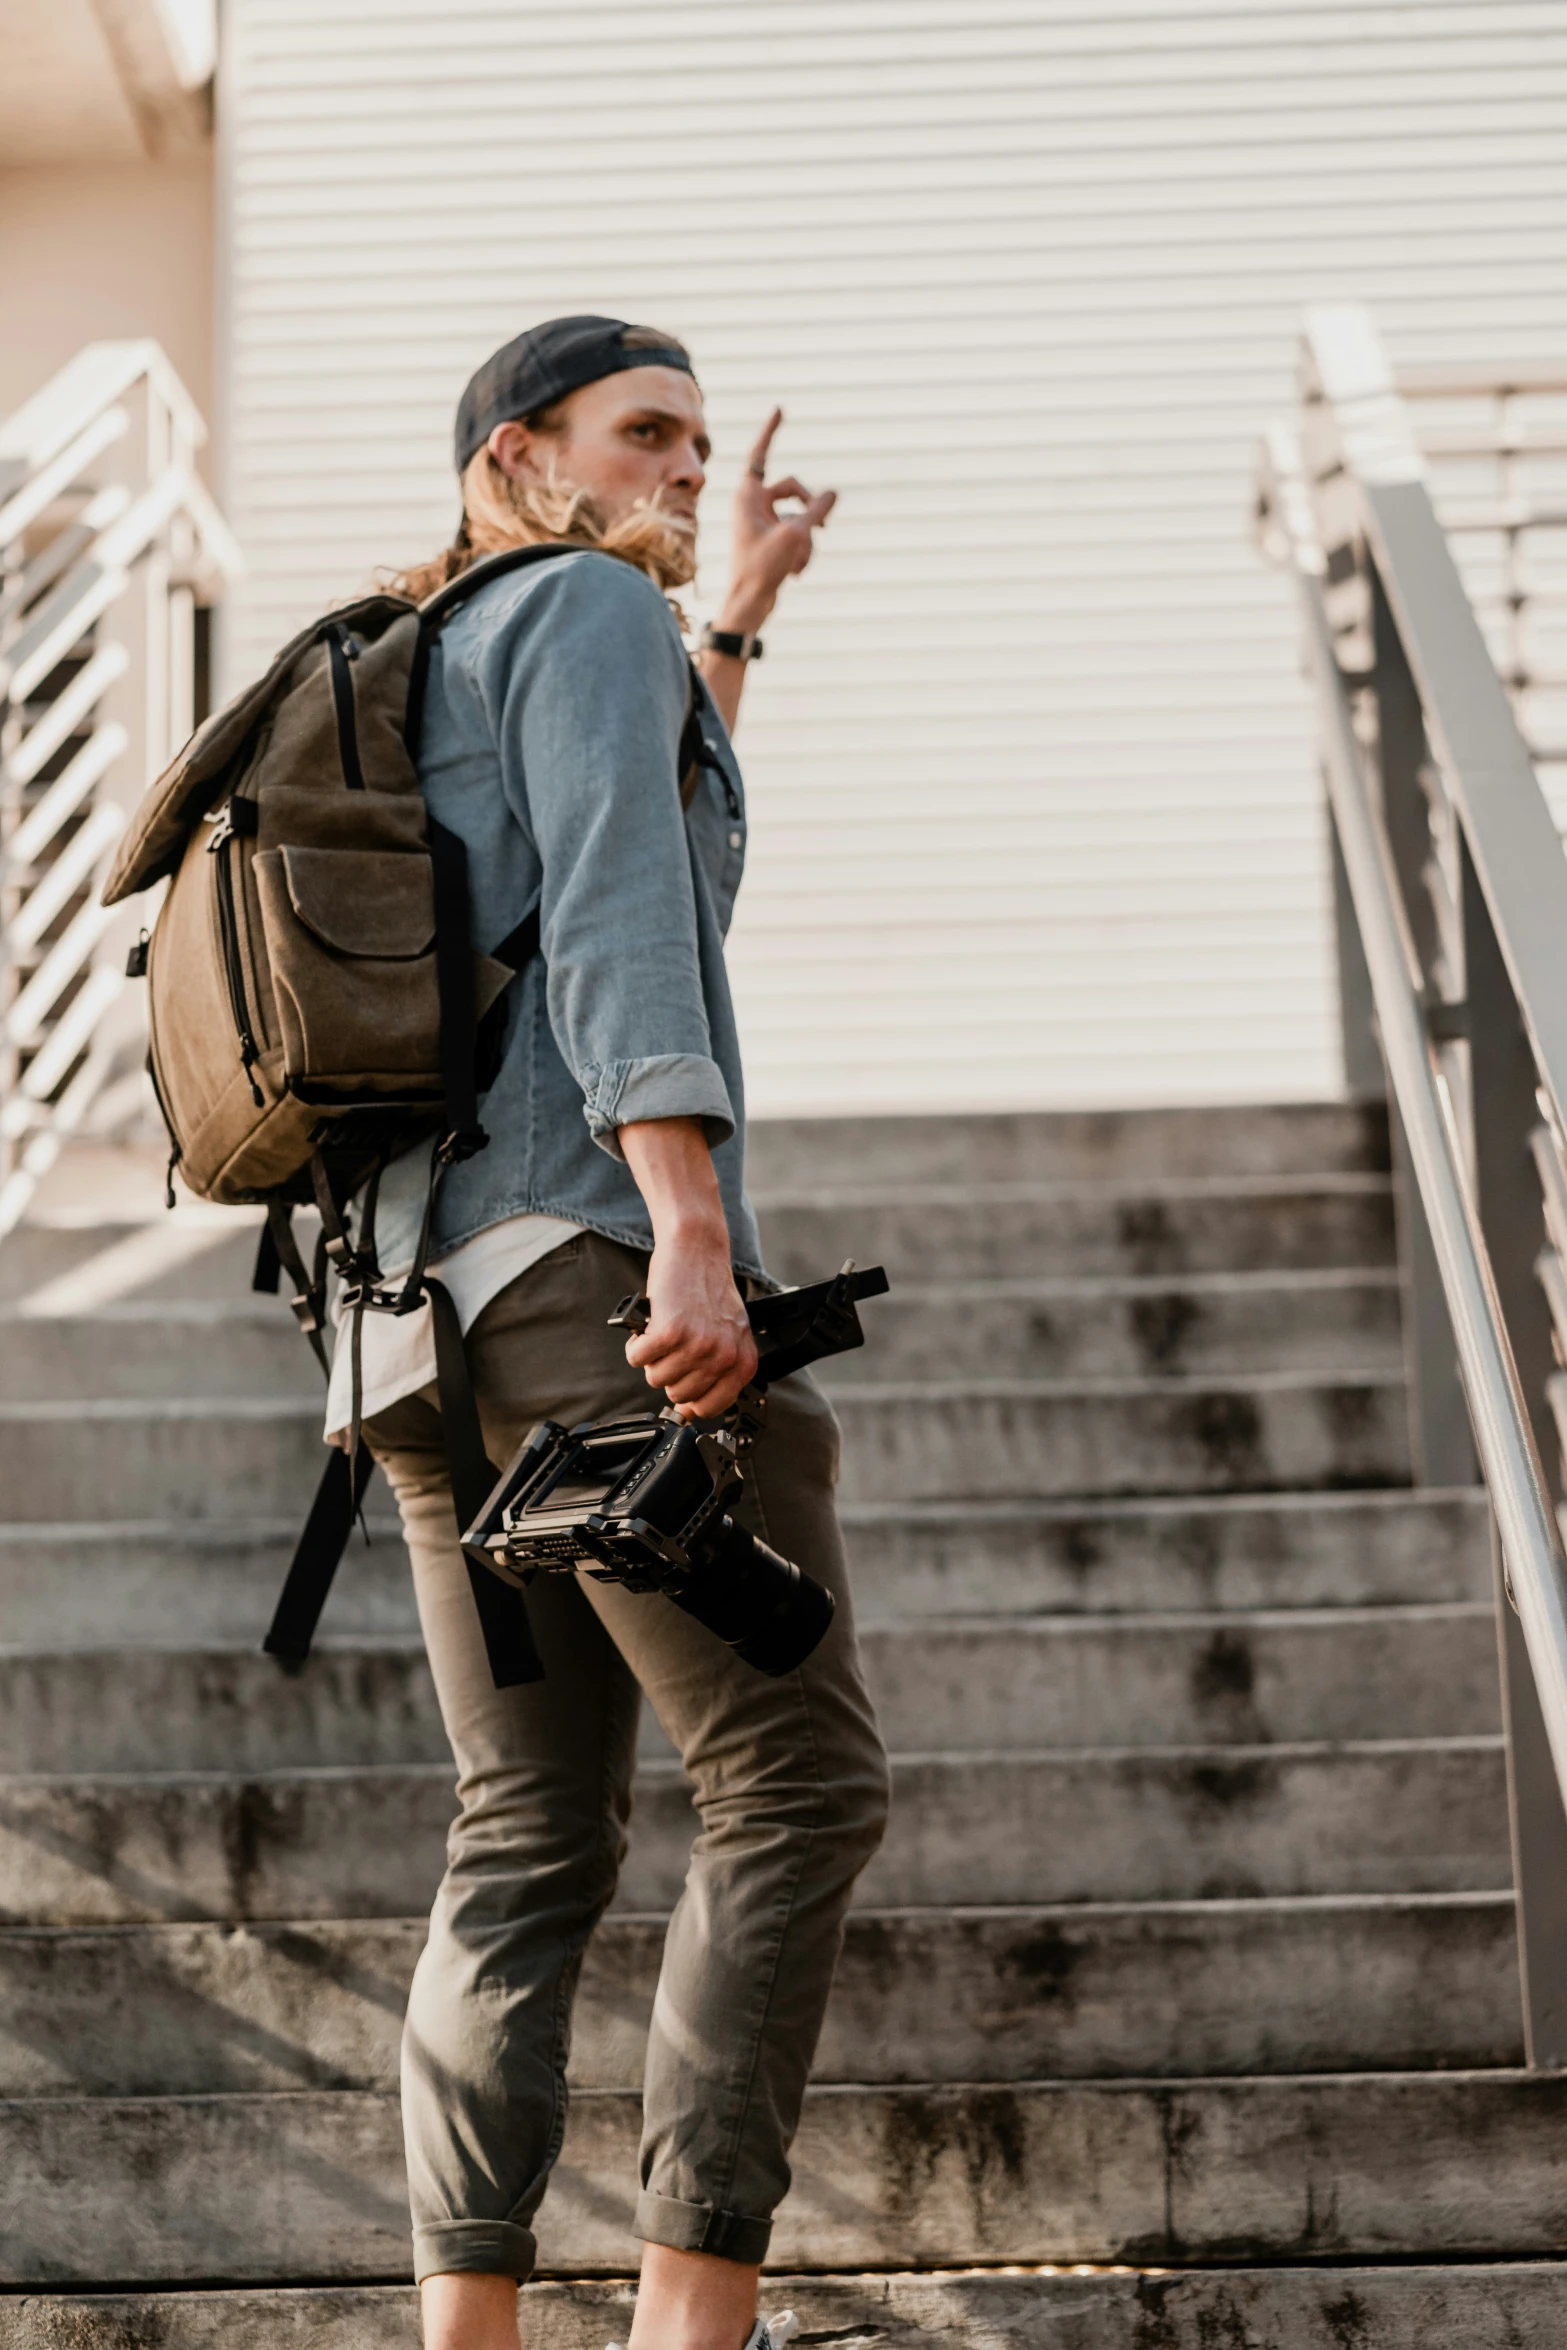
pixel 626 1499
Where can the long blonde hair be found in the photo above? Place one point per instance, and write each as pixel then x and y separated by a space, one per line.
pixel 500 511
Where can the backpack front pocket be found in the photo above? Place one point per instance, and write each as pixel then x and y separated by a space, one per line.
pixel 350 937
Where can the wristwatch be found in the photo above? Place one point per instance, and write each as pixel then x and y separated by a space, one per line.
pixel 730 640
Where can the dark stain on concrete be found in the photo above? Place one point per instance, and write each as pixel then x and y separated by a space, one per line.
pixel 1227 1427
pixel 1225 1784
pixel 1223 1679
pixel 1082 1544
pixel 1147 1237
pixel 1161 1327
pixel 984 2128
pixel 1348 2321
pixel 1046 1962
pixel 253 1825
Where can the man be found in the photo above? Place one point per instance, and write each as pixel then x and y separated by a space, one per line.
pixel 556 704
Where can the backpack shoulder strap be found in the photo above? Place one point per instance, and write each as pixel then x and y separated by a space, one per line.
pixel 436 610
pixel 697 747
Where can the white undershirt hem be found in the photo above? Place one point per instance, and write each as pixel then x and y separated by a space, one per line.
pixel 397 1351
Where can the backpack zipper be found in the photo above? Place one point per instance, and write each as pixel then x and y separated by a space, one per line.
pixel 176 1147
pixel 342 648
pixel 223 832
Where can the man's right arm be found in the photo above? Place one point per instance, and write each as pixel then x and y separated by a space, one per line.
pixel 589 700
pixel 698 1345
pixel 586 686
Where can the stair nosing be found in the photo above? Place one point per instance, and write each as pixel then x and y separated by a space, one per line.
pixel 662 1768
pixel 1191 1906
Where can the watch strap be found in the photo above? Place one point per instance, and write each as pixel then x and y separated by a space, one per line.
pixel 738 646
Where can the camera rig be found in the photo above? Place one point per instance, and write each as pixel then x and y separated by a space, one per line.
pixel 644 1501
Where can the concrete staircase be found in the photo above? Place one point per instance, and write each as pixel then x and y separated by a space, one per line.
pixel 1180 2009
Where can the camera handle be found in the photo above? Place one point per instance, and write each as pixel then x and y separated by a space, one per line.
pixel 792 1327
pixel 735 1430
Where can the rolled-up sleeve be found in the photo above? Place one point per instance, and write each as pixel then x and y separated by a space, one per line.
pixel 586 682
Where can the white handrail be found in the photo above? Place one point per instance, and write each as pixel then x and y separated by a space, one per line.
pixel 1497 1408
pixel 106 535
pixel 1452 900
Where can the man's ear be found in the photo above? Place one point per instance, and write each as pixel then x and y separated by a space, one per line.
pixel 515 450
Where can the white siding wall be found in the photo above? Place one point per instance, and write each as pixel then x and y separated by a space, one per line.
pixel 1035 815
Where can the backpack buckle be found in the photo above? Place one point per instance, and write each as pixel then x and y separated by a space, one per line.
pixel 307 1310
pixel 463 1142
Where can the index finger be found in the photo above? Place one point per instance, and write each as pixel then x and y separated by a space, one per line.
pixel 757 461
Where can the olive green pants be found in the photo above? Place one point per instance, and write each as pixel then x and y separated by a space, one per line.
pixel 790 1788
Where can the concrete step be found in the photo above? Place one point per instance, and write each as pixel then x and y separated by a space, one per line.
pixel 1152 1824
pixel 158 1347
pixel 250 2188
pixel 1224 1551
pixel 1212 1324
pixel 239 1456
pixel 1495 2306
pixel 1005 1231
pixel 32 1254
pixel 1158 1680
pixel 1069 1146
pixel 164 1581
pixel 1245 1138
pixel 94 1260
pixel 1374 1983
pixel 1208 1325
pixel 1017 1439
pixel 1130 1224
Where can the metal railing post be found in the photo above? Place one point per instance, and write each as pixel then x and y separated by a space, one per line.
pixel 1503 1087
pixel 1441 1444
pixel 1365 1079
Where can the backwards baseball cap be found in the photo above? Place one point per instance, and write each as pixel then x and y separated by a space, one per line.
pixel 537 368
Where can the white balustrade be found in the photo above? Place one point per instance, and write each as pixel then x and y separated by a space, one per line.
pixel 108 542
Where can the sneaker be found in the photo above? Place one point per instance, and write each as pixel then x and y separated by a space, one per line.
pixel 768 2333
pixel 771 2333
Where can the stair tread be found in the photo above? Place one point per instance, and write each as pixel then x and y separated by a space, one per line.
pixel 307 1407
pixel 656 1768
pixel 1309 2166
pixel 1020 1991
pixel 1495 2305
pixel 1328 1184
pixel 1079 1624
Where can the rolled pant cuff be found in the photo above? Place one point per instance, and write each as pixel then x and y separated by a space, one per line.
pixel 474 2247
pixel 697 2227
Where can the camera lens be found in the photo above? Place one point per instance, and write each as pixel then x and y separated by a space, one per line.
pixel 771 1614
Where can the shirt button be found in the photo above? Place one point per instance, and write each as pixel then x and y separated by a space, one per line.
pixel 735 838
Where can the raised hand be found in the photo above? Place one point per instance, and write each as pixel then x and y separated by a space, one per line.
pixel 769 546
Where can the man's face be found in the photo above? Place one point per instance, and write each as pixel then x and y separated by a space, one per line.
pixel 639 438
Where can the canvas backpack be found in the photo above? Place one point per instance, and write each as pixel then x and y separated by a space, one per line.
pixel 316 1005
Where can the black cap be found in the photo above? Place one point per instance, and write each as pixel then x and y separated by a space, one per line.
pixel 542 366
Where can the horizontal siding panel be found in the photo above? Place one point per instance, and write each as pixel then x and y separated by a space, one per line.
pixel 1034 809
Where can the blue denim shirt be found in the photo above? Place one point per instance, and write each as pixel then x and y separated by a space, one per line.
pixel 553 716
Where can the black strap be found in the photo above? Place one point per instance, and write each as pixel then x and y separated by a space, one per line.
pixel 519 946
pixel 269 1267
pixel 454 977
pixel 320 1547
pixel 473 1473
pixel 698 749
pixel 503 1612
pixel 343 706
pixel 276 1250
pixel 333 1229
pixel 447 600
